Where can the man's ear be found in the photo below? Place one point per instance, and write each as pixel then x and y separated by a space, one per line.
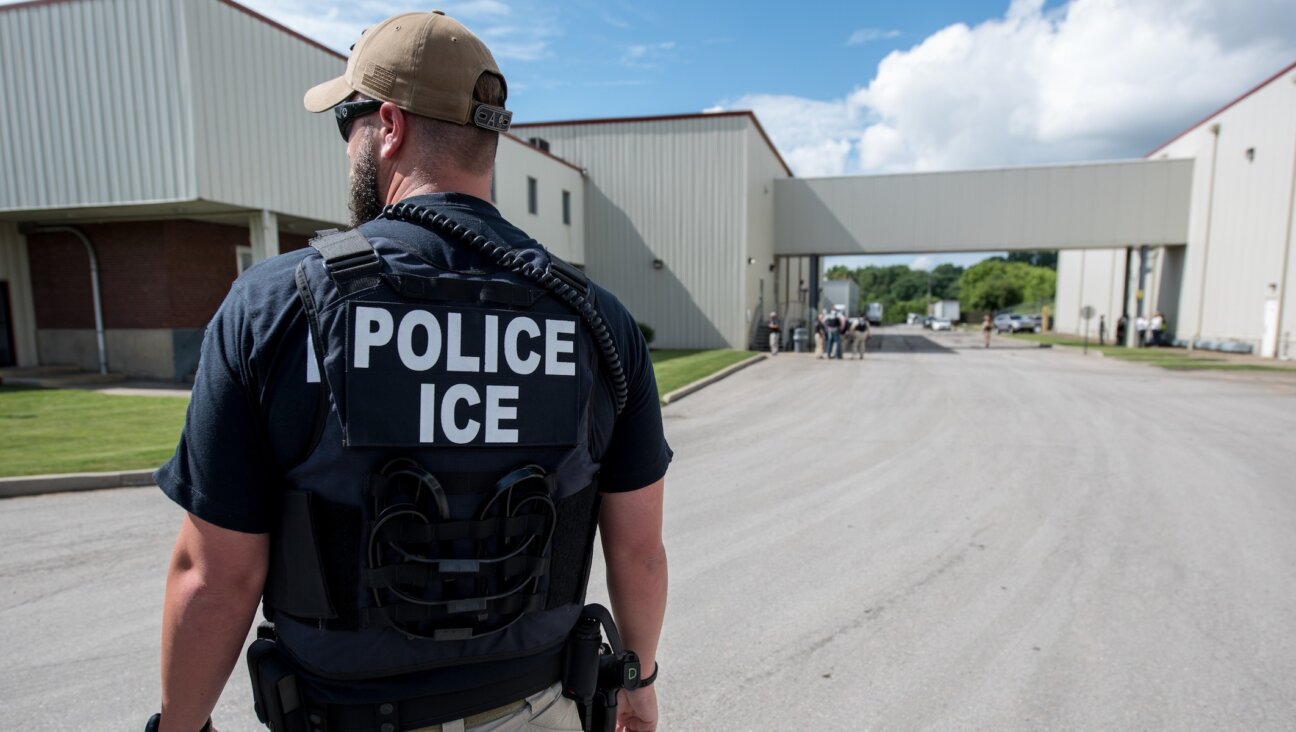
pixel 394 130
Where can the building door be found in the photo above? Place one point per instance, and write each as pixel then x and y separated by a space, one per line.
pixel 6 328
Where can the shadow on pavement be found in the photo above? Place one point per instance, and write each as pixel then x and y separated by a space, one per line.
pixel 895 343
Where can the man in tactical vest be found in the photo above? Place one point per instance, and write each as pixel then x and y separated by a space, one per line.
pixel 403 438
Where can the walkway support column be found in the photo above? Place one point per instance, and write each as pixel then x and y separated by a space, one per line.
pixel 813 305
pixel 263 231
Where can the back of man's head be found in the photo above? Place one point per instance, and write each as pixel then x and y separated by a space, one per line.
pixel 442 75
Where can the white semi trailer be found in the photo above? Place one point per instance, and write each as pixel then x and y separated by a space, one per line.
pixel 947 309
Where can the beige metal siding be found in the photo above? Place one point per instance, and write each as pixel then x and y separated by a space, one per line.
pixel 762 168
pixel 1094 277
pixel 1243 249
pixel 15 271
pixel 671 190
pixel 99 105
pixel 1051 207
pixel 514 163
pixel 1238 227
pixel 256 145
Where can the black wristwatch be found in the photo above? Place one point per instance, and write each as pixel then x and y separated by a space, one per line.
pixel 155 721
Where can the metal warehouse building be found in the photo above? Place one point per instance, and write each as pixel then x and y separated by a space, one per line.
pixel 1227 282
pixel 162 148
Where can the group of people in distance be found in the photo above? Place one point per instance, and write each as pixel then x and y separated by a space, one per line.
pixel 1147 331
pixel 834 334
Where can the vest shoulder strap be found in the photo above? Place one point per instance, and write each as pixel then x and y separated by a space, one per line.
pixel 349 259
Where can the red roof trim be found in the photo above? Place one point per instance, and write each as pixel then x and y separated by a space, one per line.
pixel 309 41
pixel 546 153
pixel 1221 110
pixel 667 118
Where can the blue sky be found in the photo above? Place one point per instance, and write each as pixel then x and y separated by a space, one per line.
pixel 847 88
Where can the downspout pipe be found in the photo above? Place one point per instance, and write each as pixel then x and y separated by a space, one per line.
pixel 1210 208
pixel 94 286
pixel 1286 262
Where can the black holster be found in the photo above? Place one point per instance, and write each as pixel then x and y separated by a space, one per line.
pixel 275 689
pixel 594 672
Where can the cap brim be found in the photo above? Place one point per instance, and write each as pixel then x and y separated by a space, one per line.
pixel 323 97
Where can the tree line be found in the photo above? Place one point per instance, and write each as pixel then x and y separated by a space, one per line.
pixel 992 285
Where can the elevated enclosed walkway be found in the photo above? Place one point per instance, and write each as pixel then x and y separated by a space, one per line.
pixel 1081 206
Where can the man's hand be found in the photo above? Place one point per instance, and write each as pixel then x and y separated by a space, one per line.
pixel 213 588
pixel 637 710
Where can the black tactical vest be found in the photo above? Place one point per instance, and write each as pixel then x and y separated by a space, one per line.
pixel 447 513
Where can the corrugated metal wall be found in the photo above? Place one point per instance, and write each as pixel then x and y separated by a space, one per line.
pixel 1093 277
pixel 514 163
pixel 763 167
pixel 1248 218
pixel 672 190
pixel 1045 207
pixel 15 271
pixel 256 145
pixel 98 105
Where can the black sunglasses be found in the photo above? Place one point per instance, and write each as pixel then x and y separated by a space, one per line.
pixel 348 112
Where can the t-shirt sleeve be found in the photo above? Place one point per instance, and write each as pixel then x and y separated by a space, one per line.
pixel 222 470
pixel 638 454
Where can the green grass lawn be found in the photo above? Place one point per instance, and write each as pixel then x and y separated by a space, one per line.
pixel 676 368
pixel 1166 358
pixel 74 431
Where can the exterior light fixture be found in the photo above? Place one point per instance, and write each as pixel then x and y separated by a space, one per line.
pixel 751 260
pixel 658 264
pixel 1250 154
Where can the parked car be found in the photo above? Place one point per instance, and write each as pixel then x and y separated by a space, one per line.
pixel 940 324
pixel 1016 323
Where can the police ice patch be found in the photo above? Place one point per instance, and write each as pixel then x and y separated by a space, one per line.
pixel 445 376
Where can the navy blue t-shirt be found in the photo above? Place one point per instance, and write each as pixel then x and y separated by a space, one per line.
pixel 256 396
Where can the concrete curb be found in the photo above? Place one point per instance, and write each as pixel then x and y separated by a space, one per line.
pixel 684 391
pixel 36 485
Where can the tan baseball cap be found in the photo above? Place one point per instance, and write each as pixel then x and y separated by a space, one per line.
pixel 424 63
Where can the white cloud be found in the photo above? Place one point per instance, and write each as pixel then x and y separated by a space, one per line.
pixel 1090 80
pixel 648 55
pixel 494 21
pixel 866 35
pixel 923 263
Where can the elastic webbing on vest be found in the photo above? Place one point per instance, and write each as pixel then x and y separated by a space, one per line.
pixel 448 289
pixel 573 547
pixel 439 579
pixel 313 570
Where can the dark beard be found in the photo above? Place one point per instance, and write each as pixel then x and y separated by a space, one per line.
pixel 364 204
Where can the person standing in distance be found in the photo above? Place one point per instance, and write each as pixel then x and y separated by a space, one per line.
pixel 775 331
pixel 403 442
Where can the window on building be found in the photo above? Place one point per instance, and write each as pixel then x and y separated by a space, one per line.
pixel 567 207
pixel 244 258
pixel 533 204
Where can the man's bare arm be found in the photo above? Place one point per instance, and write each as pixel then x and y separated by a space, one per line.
pixel 631 527
pixel 213 587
